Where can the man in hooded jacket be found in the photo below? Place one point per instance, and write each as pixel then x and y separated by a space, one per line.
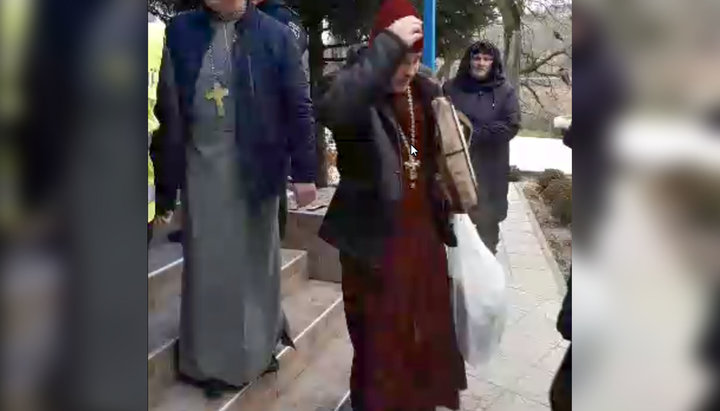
pixel 481 92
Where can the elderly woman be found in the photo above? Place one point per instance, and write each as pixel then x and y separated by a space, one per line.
pixel 390 222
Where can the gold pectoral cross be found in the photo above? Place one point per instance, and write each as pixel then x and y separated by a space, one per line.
pixel 412 166
pixel 218 93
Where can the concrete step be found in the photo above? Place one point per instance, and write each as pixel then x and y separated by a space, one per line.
pixel 164 309
pixel 315 314
pixel 165 265
pixel 345 404
pixel 302 234
pixel 324 383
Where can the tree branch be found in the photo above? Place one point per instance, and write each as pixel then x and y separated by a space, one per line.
pixel 544 74
pixel 539 63
pixel 533 92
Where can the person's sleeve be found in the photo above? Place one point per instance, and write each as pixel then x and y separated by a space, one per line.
pixel 167 143
pixel 506 127
pixel 296 27
pixel 290 19
pixel 356 87
pixel 300 122
pixel 568 137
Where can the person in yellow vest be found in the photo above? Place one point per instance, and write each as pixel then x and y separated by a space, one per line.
pixel 15 23
pixel 164 141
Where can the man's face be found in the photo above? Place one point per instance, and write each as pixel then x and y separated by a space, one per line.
pixel 406 72
pixel 480 65
pixel 225 6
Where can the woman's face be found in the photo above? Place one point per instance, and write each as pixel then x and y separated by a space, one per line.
pixel 406 72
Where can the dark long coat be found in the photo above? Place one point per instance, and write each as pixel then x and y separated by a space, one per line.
pixel 492 107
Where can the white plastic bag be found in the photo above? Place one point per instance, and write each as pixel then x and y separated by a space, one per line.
pixel 478 293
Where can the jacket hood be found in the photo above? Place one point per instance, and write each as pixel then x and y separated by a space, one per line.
pixel 497 74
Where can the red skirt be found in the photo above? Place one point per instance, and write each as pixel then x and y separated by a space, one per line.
pixel 399 318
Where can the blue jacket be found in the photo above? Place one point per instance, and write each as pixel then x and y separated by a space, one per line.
pixel 274 111
pixel 281 12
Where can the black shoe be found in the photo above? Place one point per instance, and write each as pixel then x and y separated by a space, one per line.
pixel 176 236
pixel 286 340
pixel 215 388
pixel 212 388
pixel 274 365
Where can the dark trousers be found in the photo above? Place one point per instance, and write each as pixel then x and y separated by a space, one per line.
pixel 561 389
pixel 488 226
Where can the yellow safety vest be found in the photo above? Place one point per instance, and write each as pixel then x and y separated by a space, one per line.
pixel 156 42
pixel 16 19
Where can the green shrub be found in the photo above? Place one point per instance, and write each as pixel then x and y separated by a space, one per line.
pixel 558 196
pixel 562 210
pixel 514 174
pixel 556 189
pixel 549 175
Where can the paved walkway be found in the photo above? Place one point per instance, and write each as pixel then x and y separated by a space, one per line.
pixel 519 376
pixel 537 154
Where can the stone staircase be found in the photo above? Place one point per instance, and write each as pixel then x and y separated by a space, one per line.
pixel 315 376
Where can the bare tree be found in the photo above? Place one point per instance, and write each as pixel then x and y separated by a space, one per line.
pixel 511 12
pixel 545 68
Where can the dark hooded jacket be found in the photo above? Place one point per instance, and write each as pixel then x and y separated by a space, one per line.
pixel 492 107
pixel 599 95
pixel 357 109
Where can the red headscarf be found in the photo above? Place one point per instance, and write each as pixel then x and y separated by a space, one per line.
pixel 390 11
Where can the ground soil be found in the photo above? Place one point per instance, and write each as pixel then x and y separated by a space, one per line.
pixel 559 237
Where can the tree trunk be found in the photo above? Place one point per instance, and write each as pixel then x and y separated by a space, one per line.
pixel 317 65
pixel 511 12
pixel 513 42
pixel 443 72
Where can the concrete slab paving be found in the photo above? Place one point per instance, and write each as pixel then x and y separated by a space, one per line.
pixel 518 378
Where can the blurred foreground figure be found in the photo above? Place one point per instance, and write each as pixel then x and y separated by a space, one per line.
pixel 598 96
pixel 246 113
pixel 481 92
pixel 561 390
pixel 390 222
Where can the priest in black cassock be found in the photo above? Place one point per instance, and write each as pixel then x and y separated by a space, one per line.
pixel 247 120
